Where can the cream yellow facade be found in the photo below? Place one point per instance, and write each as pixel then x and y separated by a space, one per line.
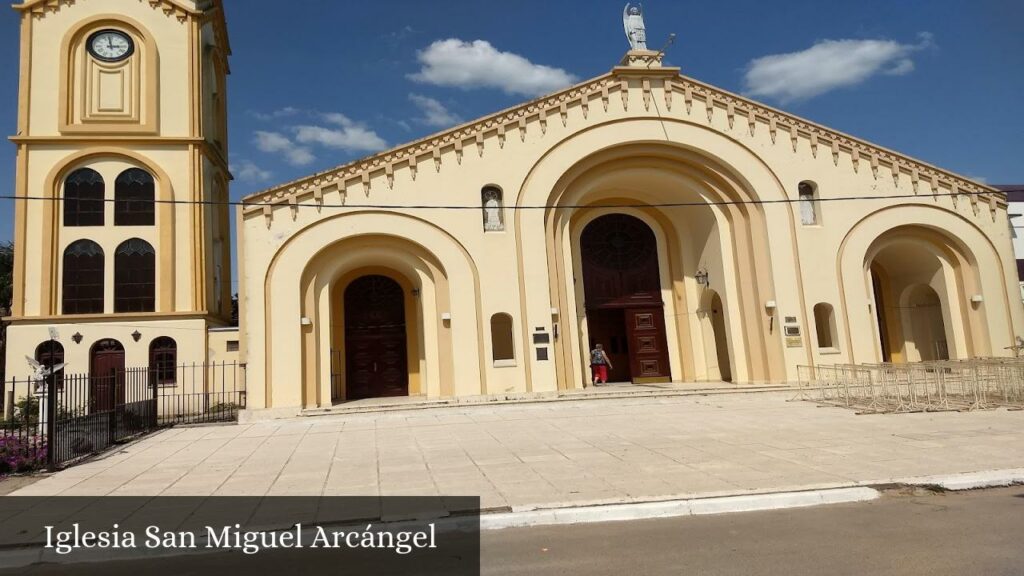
pixel 753 280
pixel 153 116
pixel 696 234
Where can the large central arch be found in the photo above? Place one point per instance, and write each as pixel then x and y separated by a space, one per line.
pixel 712 228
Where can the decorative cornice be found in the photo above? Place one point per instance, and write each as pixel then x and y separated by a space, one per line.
pixel 40 8
pixel 499 124
pixel 740 112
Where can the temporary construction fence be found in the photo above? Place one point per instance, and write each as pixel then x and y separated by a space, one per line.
pixel 974 384
pixel 67 416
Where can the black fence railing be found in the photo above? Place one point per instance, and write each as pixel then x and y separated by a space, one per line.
pixel 69 416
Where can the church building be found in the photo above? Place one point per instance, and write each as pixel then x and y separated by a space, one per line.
pixel 696 234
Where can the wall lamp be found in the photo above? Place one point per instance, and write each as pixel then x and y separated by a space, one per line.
pixel 702 277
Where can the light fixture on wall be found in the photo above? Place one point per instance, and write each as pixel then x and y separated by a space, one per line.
pixel 702 277
pixel 136 335
pixel 416 292
pixel 77 337
pixel 977 299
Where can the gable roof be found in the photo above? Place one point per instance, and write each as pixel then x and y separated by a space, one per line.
pixel 755 114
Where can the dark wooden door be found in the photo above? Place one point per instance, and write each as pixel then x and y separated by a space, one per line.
pixel 622 289
pixel 106 375
pixel 607 327
pixel 648 349
pixel 375 345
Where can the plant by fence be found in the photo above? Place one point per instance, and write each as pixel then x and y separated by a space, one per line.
pixel 69 416
pixel 977 383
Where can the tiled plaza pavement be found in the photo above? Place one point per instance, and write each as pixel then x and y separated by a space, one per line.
pixel 556 453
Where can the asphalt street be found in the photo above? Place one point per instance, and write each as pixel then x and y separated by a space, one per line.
pixel 903 533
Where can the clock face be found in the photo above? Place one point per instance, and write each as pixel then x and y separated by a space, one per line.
pixel 110 45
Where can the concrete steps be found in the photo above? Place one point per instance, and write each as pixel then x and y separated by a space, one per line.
pixel 600 393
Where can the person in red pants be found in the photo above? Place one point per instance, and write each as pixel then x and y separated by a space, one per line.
pixel 599 365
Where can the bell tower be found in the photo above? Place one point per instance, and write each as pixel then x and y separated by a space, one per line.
pixel 121 229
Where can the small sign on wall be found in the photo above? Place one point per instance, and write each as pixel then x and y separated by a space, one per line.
pixel 791 332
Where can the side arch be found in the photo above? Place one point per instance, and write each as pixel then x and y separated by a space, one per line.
pixel 972 264
pixel 297 286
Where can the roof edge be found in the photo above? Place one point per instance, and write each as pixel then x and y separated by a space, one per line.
pixel 616 79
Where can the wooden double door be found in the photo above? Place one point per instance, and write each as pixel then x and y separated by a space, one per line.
pixel 376 362
pixel 622 288
pixel 634 340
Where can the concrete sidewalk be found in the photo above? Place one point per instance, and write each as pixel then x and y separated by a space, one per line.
pixel 521 457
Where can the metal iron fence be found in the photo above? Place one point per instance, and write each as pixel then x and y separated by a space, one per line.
pixel 977 383
pixel 68 416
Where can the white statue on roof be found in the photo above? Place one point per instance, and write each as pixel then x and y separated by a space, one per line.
pixel 633 22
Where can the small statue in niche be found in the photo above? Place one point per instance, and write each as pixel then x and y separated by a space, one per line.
pixel 493 218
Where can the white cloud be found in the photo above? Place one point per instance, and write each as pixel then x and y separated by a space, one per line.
pixel 829 65
pixel 247 171
pixel 477 64
pixel 351 137
pixel 433 113
pixel 297 140
pixel 280 113
pixel 274 142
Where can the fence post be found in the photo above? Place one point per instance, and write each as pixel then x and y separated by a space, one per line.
pixel 154 377
pixel 51 417
pixel 9 401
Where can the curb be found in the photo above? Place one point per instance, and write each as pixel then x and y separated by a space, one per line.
pixel 968 480
pixel 676 508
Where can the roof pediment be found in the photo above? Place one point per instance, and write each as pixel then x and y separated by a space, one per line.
pixel 676 89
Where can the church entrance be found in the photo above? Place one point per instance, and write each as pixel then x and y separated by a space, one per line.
pixel 622 290
pixel 375 342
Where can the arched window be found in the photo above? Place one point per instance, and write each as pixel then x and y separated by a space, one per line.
pixel 133 198
pixel 163 360
pixel 808 203
pixel 134 277
pixel 82 278
pixel 493 208
pixel 83 198
pixel 51 353
pixel 502 346
pixel 825 325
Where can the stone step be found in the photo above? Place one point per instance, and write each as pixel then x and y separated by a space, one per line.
pixel 607 393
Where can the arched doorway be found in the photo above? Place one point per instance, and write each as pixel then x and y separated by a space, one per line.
pixel 375 339
pixel 914 292
pixel 721 344
pixel 106 375
pixel 622 291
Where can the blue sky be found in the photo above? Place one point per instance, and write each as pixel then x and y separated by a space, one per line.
pixel 328 81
